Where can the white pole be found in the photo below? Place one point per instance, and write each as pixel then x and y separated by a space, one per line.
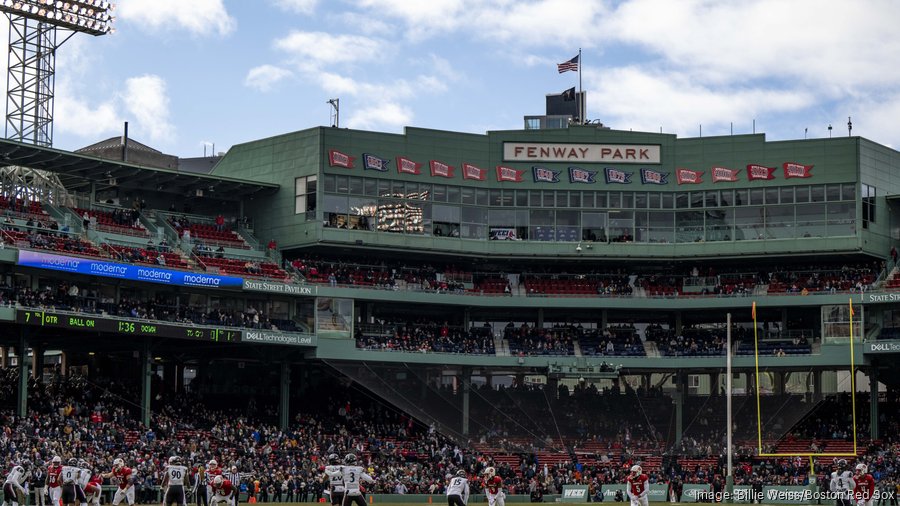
pixel 728 413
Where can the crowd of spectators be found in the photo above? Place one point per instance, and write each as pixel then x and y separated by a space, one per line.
pixel 426 337
pixel 78 416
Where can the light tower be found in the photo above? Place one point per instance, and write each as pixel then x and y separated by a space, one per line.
pixel 31 66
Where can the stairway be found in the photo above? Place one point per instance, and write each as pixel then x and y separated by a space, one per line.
pixel 501 347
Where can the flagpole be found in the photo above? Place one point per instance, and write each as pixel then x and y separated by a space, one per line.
pixel 580 96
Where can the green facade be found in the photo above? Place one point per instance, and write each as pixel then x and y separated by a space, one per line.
pixel 812 215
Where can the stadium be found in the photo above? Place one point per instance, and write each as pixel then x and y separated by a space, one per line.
pixel 558 313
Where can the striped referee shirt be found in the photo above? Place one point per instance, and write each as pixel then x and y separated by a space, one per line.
pixel 234 478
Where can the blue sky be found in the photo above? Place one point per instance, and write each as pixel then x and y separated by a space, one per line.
pixel 187 74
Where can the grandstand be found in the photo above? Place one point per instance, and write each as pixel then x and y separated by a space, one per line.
pixel 309 293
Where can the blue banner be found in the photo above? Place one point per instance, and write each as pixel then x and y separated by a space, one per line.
pixel 544 174
pixel 97 267
pixel 617 176
pixel 372 162
pixel 654 177
pixel 579 175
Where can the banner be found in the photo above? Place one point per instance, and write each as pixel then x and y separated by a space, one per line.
pixel 276 337
pixel 106 269
pixel 545 175
pixel 372 162
pixel 256 285
pixel 440 169
pixel 472 172
pixel 574 493
pixel 687 176
pixel 755 172
pixel 338 159
pixel 792 169
pixel 509 174
pixel 720 174
pixel 407 166
pixel 579 175
pixel 654 177
pixel 617 176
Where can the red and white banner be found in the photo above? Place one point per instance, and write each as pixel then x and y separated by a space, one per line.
pixel 440 169
pixel 723 174
pixel 407 166
pixel 338 159
pixel 755 172
pixel 509 174
pixel 792 169
pixel 472 172
pixel 688 176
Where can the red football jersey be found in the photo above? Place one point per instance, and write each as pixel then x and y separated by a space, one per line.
pixel 123 474
pixel 865 487
pixel 53 473
pixel 637 484
pixel 224 489
pixel 493 484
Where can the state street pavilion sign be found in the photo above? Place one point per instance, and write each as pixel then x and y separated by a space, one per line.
pixel 582 153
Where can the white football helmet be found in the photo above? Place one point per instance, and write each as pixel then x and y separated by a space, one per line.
pixel 636 469
pixel 212 464
pixel 217 481
pixel 57 460
pixel 490 471
pixel 118 463
pixel 861 468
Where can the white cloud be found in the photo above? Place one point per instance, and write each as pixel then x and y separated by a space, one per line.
pixel 200 17
pixel 632 98
pixel 300 6
pixel 382 116
pixel 146 100
pixel 318 48
pixel 264 77
pixel 73 115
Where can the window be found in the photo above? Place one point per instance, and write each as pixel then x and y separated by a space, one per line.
pixel 868 204
pixel 305 195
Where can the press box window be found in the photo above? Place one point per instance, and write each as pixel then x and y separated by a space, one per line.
pixel 305 194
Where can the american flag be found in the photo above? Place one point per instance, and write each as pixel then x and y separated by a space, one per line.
pixel 568 65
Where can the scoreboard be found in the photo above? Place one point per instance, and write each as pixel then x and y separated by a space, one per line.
pixel 124 327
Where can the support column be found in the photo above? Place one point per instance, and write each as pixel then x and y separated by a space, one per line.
pixel 4 357
pixel 873 400
pixel 467 319
pixel 817 385
pixel 22 355
pixel 146 372
pixel 284 399
pixel 714 383
pixel 680 381
pixel 784 319
pixel 540 318
pixel 679 325
pixel 604 319
pixel 37 364
pixel 466 386
pixel 63 364
pixel 778 387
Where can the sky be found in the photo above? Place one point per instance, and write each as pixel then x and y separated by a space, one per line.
pixel 193 76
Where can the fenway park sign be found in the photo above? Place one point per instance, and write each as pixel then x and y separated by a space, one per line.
pixel 586 153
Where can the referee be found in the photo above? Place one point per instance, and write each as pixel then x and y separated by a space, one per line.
pixel 234 477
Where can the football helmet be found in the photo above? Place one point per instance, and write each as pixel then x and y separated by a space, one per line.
pixel 57 460
pixel 212 464
pixel 461 473
pixel 174 460
pixel 350 459
pixel 636 469
pixel 842 464
pixel 118 463
pixel 861 468
pixel 73 462
pixel 490 471
pixel 217 481
pixel 334 459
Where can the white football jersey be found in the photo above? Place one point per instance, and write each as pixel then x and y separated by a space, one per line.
pixel 459 486
pixel 353 476
pixel 16 475
pixel 335 478
pixel 69 474
pixel 842 483
pixel 176 474
pixel 84 476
